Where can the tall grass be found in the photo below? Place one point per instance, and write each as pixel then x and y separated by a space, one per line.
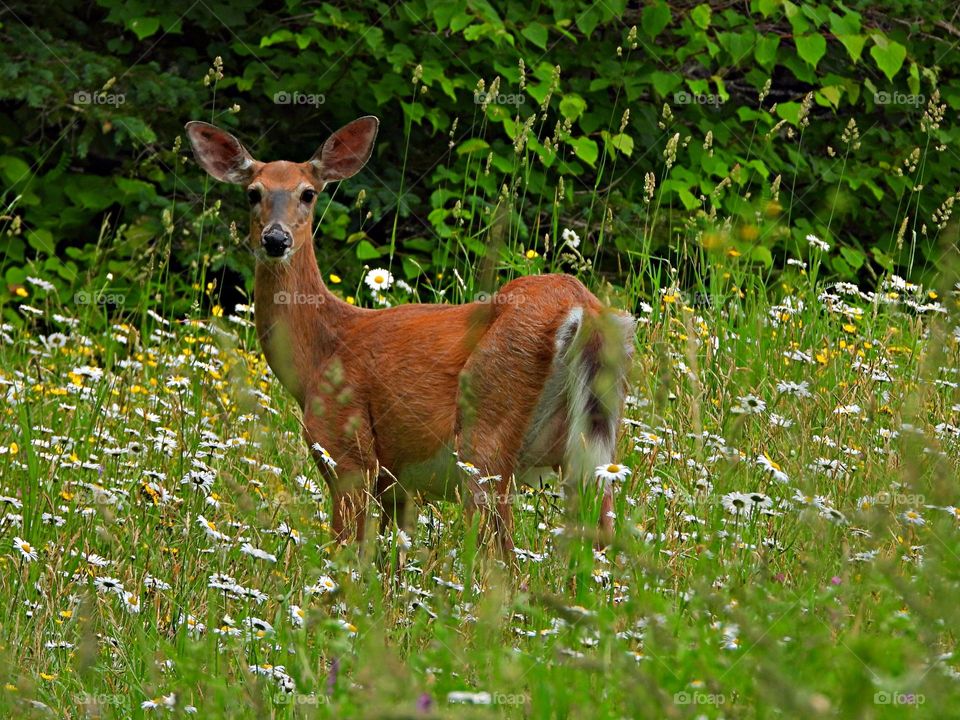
pixel 787 542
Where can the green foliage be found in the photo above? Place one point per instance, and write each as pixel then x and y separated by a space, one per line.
pixel 530 118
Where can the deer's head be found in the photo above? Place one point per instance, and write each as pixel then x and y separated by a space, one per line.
pixel 282 194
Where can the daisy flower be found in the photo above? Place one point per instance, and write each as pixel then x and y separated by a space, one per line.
pixel 912 517
pixel 815 242
pixel 570 238
pixel 297 615
pixel 737 503
pixel 612 473
pixel 324 584
pixel 131 602
pixel 800 389
pixel 256 552
pixel 27 551
pixel 108 584
pixel 749 405
pixel 379 279
pixel 324 455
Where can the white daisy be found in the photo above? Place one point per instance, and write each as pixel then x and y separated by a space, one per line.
pixel 749 405
pixel 570 238
pixel 27 551
pixel 815 242
pixel 379 279
pixel 256 552
pixel 612 473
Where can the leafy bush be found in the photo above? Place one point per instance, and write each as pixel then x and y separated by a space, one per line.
pixel 642 129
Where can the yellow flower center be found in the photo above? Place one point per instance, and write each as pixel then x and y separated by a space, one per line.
pixel 613 468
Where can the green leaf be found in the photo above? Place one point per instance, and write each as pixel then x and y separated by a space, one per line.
pixel 701 15
pixel 767 7
pixel 853 256
pixel 811 48
pixel 762 255
pixel 766 50
pixel 144 27
pixel 913 79
pixel 589 19
pixel 472 145
pixel 41 240
pixel 572 106
pixel 789 111
pixel 621 142
pixel 854 45
pixel 665 82
pixel 831 94
pixel 536 33
pixel 585 149
pixel 847 24
pixel 655 18
pixel 888 54
pixel 366 251
pixel 798 22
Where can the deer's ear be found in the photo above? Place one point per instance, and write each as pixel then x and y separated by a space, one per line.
pixel 346 151
pixel 220 153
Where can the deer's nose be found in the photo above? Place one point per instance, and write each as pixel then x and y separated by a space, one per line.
pixel 276 241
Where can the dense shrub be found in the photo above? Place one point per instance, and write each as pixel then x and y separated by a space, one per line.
pixel 521 118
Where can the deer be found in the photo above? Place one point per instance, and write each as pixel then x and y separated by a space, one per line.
pixel 431 401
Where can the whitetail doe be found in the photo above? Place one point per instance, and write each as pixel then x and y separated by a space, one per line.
pixel 531 377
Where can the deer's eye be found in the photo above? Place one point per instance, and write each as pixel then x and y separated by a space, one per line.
pixel 253 195
pixel 307 196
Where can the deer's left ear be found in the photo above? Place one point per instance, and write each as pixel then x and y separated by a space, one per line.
pixel 345 152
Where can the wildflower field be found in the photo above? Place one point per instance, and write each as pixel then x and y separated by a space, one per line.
pixel 769 189
pixel 786 544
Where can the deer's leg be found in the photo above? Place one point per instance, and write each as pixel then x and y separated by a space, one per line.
pixel 342 447
pixel 393 501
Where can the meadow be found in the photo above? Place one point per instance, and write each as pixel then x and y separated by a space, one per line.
pixel 787 534
pixel 786 545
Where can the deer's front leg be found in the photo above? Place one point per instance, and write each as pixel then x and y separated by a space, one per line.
pixel 342 446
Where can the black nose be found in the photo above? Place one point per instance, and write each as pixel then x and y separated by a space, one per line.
pixel 276 241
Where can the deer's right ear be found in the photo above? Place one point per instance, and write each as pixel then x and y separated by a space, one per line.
pixel 220 153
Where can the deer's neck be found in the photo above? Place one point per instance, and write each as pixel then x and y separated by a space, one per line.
pixel 298 319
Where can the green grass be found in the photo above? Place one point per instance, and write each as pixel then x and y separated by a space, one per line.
pixel 789 610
